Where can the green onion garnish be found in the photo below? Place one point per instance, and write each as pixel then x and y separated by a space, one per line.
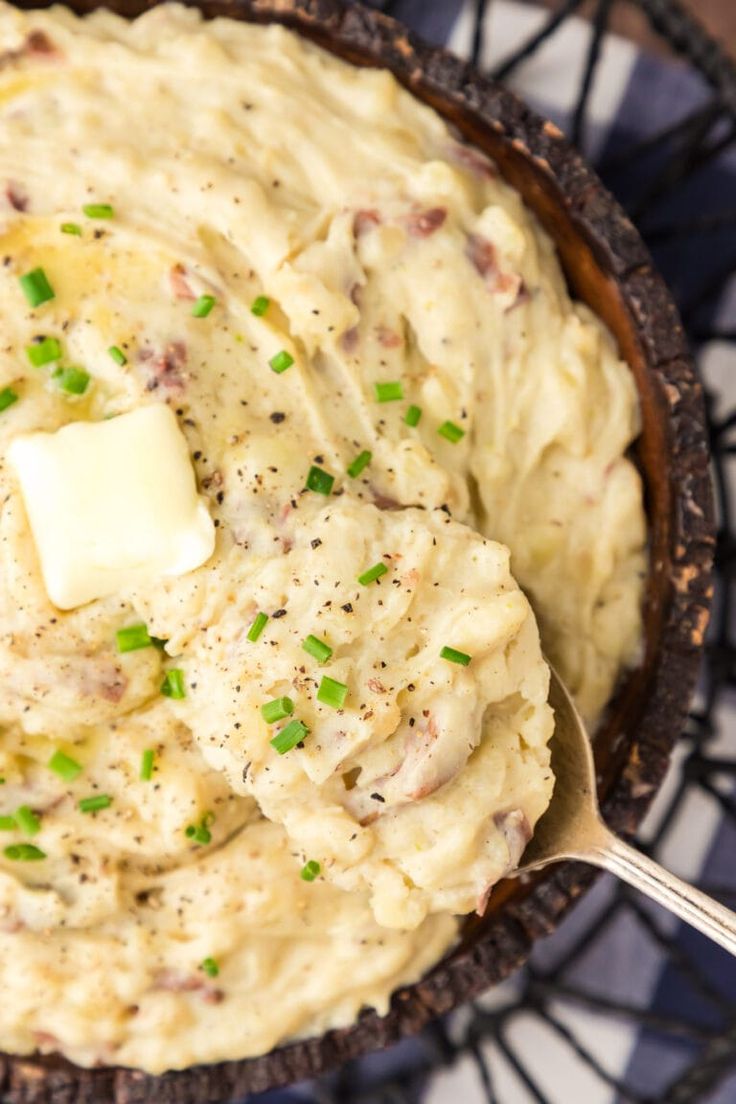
pixel 281 362
pixel 389 392
pixel 289 737
pixel 451 432
pixel 117 355
pixel 413 415
pixel 67 768
pixel 320 481
pixel 210 967
pixel 310 870
pixel 133 637
pixel 260 305
pixel 331 692
pixel 455 656
pixel 147 765
pixel 203 306
pixel 360 463
pixel 257 627
pixel 173 684
pixel 7 824
pixel 36 287
pixel 71 228
pixel 317 648
pixel 372 574
pixel 24 852
pixel 7 398
pixel 200 833
pixel 95 803
pixel 44 351
pixel 98 211
pixel 277 709
pixel 74 381
pixel 27 821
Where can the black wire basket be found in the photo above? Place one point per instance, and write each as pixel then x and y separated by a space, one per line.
pixel 674 182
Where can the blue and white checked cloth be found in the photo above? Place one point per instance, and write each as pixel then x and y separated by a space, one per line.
pixel 632 97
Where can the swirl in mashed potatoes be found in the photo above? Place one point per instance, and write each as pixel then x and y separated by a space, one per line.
pixel 242 801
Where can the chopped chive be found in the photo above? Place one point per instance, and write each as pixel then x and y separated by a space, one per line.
pixel 67 768
pixel 203 306
pixel 36 287
pixel 331 692
pixel 281 361
pixel 7 398
pixel 389 392
pixel 360 463
pixel 257 627
pixel 173 684
pixel 24 852
pixel 317 648
pixel 98 211
pixel 413 415
pixel 74 381
pixel 133 637
pixel 43 351
pixel 27 821
pixel 147 765
pixel 95 803
pixel 7 824
pixel 200 833
pixel 372 574
pixel 288 738
pixel 71 228
pixel 210 967
pixel 260 305
pixel 320 481
pixel 455 656
pixel 310 870
pixel 277 709
pixel 451 432
pixel 117 355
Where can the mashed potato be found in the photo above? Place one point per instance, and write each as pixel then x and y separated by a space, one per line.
pixel 331 737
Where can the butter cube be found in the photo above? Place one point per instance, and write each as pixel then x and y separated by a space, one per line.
pixel 112 504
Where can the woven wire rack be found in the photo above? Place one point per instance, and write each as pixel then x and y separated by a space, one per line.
pixel 507 1029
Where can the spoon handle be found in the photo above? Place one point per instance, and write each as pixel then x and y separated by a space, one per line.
pixel 696 908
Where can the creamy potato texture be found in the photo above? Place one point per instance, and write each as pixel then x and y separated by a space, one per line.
pixel 384 387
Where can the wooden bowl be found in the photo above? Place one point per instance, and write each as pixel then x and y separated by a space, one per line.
pixel 609 268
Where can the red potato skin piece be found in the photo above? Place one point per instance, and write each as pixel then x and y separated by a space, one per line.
pixel 37 45
pixel 349 340
pixel 166 369
pixel 388 338
pixel 517 832
pixel 421 224
pixel 38 42
pixel 16 197
pixel 471 159
pixel 179 284
pixel 365 221
pixel 172 982
pixel 482 255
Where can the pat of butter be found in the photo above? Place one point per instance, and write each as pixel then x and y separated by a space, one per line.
pixel 112 504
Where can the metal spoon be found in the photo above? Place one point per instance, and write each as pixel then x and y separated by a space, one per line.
pixel 572 828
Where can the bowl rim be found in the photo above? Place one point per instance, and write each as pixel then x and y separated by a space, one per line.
pixel 368 37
